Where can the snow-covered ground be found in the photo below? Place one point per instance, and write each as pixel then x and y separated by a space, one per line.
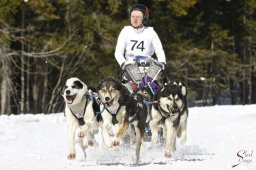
pixel 218 138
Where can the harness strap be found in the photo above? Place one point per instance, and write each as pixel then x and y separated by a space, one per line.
pixel 163 112
pixel 98 113
pixel 114 120
pixel 148 102
pixel 167 114
pixel 81 121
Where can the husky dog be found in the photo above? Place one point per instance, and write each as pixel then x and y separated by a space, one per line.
pixel 170 112
pixel 119 111
pixel 79 110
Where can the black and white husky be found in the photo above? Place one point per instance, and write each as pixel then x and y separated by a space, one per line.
pixel 80 114
pixel 170 112
pixel 119 112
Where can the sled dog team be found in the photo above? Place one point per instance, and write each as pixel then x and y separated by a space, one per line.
pixel 111 110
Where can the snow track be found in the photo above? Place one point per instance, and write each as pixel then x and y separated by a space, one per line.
pixel 215 136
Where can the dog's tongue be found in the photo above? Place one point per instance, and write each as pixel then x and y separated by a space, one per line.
pixel 70 99
pixel 110 103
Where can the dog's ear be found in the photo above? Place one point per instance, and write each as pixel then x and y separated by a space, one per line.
pixel 166 84
pixel 93 89
pixel 100 83
pixel 85 87
pixel 163 87
pixel 183 88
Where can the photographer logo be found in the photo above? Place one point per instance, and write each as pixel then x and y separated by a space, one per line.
pixel 244 157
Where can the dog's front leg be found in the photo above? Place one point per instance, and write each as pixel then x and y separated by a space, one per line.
pixel 120 133
pixel 171 138
pixel 106 134
pixel 182 132
pixel 87 135
pixel 163 135
pixel 107 128
pixel 71 142
pixel 131 131
pixel 95 127
pixel 153 124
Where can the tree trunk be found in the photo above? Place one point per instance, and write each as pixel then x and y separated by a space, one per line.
pixel 5 84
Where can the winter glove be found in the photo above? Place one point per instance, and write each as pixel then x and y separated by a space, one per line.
pixel 125 64
pixel 163 65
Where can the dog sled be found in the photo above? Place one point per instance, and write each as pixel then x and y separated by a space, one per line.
pixel 143 73
pixel 143 77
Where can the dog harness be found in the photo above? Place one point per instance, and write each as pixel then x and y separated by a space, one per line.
pixel 80 116
pixel 114 111
pixel 167 114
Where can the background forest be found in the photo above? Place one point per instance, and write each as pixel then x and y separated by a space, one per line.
pixel 210 46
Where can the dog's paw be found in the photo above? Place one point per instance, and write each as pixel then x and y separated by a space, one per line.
pixel 95 131
pixel 167 154
pixel 81 134
pixel 132 141
pixel 183 140
pixel 71 156
pixel 174 149
pixel 90 143
pixel 183 137
pixel 115 143
pixel 154 140
pixel 179 133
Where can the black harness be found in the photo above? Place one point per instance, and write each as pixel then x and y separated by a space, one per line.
pixel 80 116
pixel 114 120
pixel 165 114
pixel 168 114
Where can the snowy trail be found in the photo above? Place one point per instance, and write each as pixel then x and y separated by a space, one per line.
pixel 215 135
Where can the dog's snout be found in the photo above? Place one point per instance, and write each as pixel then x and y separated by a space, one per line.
pixel 107 98
pixel 175 106
pixel 67 91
